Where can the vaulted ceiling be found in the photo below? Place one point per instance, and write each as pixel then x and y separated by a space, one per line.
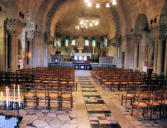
pixel 62 15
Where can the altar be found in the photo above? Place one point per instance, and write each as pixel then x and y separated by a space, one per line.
pixel 81 61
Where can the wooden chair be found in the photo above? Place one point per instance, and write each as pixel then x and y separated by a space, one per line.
pixel 142 102
pixel 129 94
pixel 66 95
pixel 29 94
pixel 53 94
pixel 164 103
pixel 41 95
pixel 156 102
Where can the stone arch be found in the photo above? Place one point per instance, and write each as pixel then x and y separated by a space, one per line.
pixel 144 45
pixel 116 18
pixel 141 25
pixel 41 13
pixel 50 14
pixel 57 4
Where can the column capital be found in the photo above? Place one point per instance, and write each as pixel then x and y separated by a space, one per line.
pixel 155 33
pixel 10 25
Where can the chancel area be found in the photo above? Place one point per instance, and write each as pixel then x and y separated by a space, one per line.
pixel 83 63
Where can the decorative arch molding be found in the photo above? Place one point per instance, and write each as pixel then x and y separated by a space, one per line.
pixel 50 14
pixel 41 13
pixel 116 18
pixel 141 25
pixel 124 12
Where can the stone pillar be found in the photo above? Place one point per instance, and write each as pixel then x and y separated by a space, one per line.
pixel 129 55
pixel 135 57
pixel 30 59
pixel 2 45
pixel 154 32
pixel 165 69
pixel 10 25
pixel 159 64
pixel 36 51
pixel 13 53
pixel 45 55
pixel 155 57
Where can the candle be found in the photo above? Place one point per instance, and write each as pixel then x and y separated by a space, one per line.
pixel 14 92
pixel 19 95
pixel 1 98
pixel 7 97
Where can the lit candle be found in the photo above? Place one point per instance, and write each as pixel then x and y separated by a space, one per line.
pixel 1 98
pixel 6 96
pixel 14 92
pixel 19 95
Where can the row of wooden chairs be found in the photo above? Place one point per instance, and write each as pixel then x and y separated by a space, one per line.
pixel 114 81
pixel 48 93
pixel 142 92
pixel 146 98
pixel 49 87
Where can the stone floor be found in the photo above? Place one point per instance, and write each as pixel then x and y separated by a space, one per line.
pixel 45 118
pixel 93 107
pixel 98 113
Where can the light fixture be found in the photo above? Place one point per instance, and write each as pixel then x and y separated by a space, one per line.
pixel 87 21
pixel 107 5
pixel 89 4
pixel 114 2
pixel 98 3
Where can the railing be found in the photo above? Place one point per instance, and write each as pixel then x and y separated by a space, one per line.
pixel 71 65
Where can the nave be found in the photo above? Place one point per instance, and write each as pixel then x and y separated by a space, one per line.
pixel 94 105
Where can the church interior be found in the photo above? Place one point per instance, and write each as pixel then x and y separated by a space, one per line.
pixel 83 63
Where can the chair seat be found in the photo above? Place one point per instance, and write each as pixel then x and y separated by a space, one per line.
pixel 72 82
pixel 66 95
pixel 128 95
pixel 63 82
pixel 41 95
pixel 107 82
pixel 29 94
pixel 140 104
pixel 155 103
pixel 53 95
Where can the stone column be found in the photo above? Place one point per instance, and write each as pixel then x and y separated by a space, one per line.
pixel 13 53
pixel 165 69
pixel 30 59
pixel 2 45
pixel 155 57
pixel 129 59
pixel 159 64
pixel 10 24
pixel 36 50
pixel 154 32
pixel 135 57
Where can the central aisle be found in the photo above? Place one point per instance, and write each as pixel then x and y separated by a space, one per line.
pixel 98 114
